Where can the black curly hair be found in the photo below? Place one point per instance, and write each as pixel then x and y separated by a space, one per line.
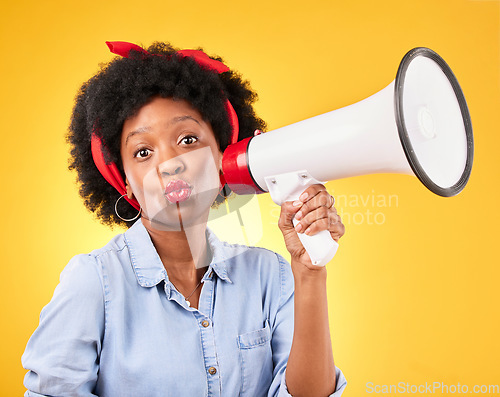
pixel 122 87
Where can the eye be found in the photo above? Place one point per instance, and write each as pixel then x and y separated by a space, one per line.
pixel 189 140
pixel 142 153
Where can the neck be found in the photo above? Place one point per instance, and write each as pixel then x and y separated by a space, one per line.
pixel 184 253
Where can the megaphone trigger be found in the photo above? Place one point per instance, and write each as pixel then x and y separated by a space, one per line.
pixel 288 187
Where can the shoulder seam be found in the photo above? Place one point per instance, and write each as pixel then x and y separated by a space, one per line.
pixel 100 274
pixel 101 251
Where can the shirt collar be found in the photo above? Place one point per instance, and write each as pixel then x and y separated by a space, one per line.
pixel 219 262
pixel 148 266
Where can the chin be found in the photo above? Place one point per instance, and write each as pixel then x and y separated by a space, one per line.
pixel 168 216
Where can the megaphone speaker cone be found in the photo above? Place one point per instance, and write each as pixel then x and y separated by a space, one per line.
pixel 433 122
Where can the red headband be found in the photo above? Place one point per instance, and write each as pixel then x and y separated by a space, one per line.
pixel 110 171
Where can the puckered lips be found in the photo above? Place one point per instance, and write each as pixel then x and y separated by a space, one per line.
pixel 177 191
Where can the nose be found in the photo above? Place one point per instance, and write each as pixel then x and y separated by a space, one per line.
pixel 171 167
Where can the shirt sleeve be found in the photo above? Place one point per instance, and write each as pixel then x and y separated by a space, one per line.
pixel 62 355
pixel 282 336
pixel 341 384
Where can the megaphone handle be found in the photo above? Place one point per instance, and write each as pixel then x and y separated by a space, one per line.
pixel 321 247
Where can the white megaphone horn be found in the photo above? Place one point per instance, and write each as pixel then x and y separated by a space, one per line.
pixel 418 125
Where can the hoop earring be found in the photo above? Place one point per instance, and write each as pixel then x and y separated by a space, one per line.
pixel 225 191
pixel 118 215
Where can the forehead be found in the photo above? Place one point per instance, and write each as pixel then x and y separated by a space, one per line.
pixel 164 110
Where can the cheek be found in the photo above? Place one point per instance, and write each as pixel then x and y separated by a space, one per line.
pixel 149 188
pixel 151 184
pixel 136 187
pixel 207 167
pixel 141 183
pixel 217 155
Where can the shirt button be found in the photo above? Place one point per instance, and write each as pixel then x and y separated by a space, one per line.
pixel 205 323
pixel 212 370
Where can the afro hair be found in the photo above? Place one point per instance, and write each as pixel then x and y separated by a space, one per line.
pixel 122 87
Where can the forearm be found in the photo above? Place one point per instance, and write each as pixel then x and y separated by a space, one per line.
pixel 310 369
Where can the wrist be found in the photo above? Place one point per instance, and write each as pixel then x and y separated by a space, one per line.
pixel 308 274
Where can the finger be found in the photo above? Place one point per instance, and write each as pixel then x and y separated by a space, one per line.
pixel 332 201
pixel 337 228
pixel 337 234
pixel 288 211
pixel 321 199
pixel 317 217
pixel 311 192
pixel 321 219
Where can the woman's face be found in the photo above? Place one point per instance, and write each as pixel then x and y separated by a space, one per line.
pixel 172 163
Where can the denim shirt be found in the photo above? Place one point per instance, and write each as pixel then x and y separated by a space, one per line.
pixel 116 326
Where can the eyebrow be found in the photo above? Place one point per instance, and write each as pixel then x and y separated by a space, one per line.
pixel 139 130
pixel 175 120
pixel 182 118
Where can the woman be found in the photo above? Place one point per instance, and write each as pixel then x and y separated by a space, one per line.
pixel 166 309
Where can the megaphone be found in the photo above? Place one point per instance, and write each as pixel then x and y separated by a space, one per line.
pixel 418 125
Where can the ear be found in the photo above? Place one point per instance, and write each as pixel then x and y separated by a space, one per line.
pixel 221 174
pixel 130 194
pixel 221 155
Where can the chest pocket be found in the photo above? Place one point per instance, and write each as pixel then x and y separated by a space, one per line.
pixel 256 361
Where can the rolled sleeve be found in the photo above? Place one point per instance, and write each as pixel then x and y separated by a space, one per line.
pixel 341 384
pixel 62 355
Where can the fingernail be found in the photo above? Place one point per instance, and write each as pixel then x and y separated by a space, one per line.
pixel 297 203
pixel 303 196
pixel 308 230
pixel 298 215
pixel 298 228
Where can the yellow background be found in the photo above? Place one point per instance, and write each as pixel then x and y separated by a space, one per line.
pixel 414 299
